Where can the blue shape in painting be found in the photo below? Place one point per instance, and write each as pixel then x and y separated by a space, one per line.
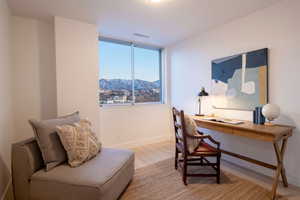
pixel 224 68
pixel 240 81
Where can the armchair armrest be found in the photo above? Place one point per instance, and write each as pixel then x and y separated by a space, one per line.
pixel 203 137
pixel 199 132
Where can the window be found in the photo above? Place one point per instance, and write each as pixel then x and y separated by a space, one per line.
pixel 129 73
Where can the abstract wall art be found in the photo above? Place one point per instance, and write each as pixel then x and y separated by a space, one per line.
pixel 240 81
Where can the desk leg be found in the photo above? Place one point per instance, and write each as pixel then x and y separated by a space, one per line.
pixel 283 175
pixel 280 166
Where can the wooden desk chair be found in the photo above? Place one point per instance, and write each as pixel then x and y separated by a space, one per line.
pixel 193 148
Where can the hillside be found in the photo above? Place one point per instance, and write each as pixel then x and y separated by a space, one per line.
pixel 122 84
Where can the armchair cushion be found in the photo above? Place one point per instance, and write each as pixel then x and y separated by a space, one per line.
pixel 206 149
pixel 102 178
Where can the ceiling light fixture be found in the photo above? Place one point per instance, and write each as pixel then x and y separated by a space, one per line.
pixel 141 35
pixel 155 1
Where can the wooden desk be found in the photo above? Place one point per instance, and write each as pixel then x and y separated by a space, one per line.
pixel 277 134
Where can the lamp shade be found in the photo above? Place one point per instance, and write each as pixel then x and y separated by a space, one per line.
pixel 202 93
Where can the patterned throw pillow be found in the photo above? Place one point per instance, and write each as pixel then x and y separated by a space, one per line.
pixel 80 143
pixel 191 129
pixel 52 150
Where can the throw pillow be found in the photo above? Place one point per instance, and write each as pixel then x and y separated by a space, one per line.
pixel 191 129
pixel 80 143
pixel 48 140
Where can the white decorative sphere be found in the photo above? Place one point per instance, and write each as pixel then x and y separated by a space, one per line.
pixel 271 111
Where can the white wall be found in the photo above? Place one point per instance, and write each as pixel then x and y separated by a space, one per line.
pixel 69 82
pixel 125 126
pixel 33 73
pixel 77 69
pixel 6 113
pixel 276 28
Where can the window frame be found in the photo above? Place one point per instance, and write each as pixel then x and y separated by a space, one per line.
pixel 132 45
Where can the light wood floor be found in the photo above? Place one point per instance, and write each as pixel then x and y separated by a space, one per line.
pixel 152 153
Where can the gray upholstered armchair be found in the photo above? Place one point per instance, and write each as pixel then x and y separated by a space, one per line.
pixel 102 178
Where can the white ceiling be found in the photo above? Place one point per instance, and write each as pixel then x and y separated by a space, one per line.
pixel 166 23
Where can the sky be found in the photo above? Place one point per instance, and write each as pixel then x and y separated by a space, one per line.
pixel 115 62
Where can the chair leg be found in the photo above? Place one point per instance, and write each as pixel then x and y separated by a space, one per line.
pixel 176 158
pixel 218 168
pixel 201 161
pixel 184 171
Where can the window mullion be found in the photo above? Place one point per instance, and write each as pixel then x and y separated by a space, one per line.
pixel 160 77
pixel 132 73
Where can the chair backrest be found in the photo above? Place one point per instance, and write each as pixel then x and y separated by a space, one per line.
pixel 180 131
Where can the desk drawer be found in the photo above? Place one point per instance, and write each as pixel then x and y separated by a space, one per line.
pixel 253 135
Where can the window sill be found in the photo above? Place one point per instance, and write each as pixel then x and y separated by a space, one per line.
pixel 130 105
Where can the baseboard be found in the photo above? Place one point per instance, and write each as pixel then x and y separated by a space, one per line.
pixel 137 143
pixel 6 190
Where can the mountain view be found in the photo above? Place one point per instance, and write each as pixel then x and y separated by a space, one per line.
pixel 120 91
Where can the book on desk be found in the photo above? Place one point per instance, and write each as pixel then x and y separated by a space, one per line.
pixel 223 120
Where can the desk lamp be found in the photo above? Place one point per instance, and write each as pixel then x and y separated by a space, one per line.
pixel 201 94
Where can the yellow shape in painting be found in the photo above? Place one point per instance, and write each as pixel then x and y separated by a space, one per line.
pixel 262 78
